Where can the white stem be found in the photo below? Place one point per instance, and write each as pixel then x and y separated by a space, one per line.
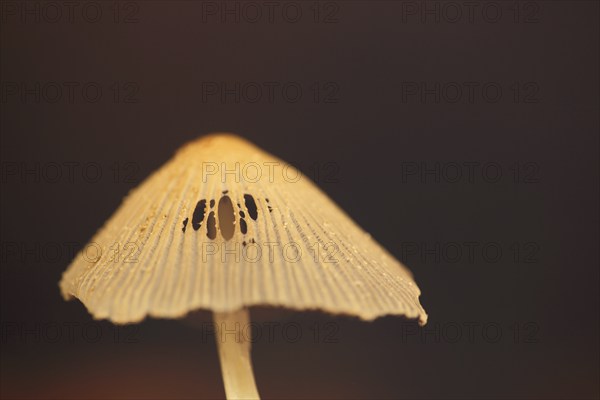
pixel 234 353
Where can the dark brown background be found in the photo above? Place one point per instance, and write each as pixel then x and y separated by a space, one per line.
pixel 168 51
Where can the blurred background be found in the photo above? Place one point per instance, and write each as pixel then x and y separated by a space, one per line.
pixel 463 137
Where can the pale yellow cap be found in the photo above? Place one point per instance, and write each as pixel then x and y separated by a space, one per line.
pixel 224 225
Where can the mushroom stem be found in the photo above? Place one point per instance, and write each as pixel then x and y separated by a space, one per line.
pixel 234 354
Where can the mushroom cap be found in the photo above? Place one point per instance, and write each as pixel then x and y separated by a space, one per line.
pixel 224 225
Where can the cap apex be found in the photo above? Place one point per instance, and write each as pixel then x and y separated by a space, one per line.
pixel 215 139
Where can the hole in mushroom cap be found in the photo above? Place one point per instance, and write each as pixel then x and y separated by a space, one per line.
pixel 198 215
pixel 251 206
pixel 211 226
pixel 226 217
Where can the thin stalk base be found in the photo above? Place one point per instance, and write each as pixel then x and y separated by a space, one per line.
pixel 234 354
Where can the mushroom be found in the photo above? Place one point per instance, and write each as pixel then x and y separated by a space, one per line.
pixel 224 226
